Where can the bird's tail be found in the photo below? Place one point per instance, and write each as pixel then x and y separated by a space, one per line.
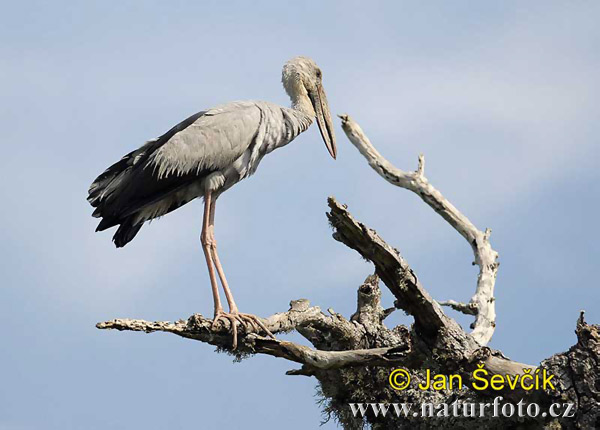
pixel 104 190
pixel 126 232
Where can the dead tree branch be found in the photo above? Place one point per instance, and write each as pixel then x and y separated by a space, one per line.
pixel 352 359
pixel 346 343
pixel 394 271
pixel 309 321
pixel 465 308
pixel 482 303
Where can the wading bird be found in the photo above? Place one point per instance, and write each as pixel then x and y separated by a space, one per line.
pixel 204 155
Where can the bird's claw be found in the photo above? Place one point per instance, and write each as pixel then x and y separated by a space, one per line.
pixel 250 323
pixel 257 324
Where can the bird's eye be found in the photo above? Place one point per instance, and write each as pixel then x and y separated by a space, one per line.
pixel 319 74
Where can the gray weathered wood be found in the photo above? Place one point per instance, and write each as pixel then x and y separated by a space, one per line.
pixel 482 303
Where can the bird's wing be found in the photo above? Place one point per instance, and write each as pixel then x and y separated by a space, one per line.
pixel 201 144
pixel 212 142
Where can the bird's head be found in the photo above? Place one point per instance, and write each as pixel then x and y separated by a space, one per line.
pixel 302 80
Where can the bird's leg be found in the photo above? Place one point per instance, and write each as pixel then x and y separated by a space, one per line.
pixel 207 243
pixel 244 319
pixel 215 257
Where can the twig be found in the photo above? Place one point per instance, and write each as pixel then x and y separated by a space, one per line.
pixel 465 308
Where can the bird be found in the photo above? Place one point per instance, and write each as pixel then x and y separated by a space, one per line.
pixel 202 157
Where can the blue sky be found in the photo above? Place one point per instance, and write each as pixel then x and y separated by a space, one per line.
pixel 501 98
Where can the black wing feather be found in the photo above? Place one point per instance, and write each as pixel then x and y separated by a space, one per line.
pixel 130 185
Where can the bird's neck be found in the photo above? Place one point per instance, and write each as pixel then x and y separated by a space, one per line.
pixel 301 103
pixel 297 121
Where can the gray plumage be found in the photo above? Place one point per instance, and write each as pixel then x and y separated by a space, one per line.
pixel 209 151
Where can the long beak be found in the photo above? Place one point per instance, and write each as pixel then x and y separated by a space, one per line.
pixel 319 102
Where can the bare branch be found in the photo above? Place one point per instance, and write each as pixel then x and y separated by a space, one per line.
pixel 354 359
pixel 465 308
pixel 199 328
pixel 309 321
pixel 328 360
pixel 485 256
pixel 395 273
pixel 361 343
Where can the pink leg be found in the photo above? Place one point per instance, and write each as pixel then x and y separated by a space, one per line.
pixel 234 315
pixel 206 244
pixel 228 295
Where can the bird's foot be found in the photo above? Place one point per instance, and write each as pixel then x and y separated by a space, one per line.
pixel 250 323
